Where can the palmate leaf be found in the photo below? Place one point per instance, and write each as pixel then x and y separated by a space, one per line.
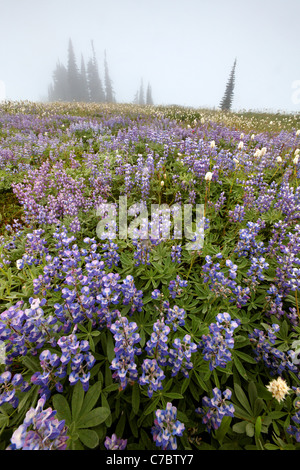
pixel 77 400
pixel 93 417
pixel 61 405
pixel 91 398
pixel 88 437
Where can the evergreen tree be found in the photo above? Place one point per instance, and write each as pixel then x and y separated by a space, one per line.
pixel 109 93
pixel 136 98
pixel 96 93
pixel 84 90
pixel 226 102
pixel 58 91
pixel 73 75
pixel 149 99
pixel 141 94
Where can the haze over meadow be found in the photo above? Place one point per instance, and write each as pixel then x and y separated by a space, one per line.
pixel 185 50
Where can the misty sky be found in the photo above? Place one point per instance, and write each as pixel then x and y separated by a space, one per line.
pixel 184 48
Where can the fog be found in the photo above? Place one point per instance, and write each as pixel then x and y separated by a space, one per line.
pixel 184 48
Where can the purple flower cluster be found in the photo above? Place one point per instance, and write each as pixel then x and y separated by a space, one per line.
pixel 9 385
pixel 123 364
pixel 115 443
pixel 180 356
pixel 156 346
pixel 27 330
pixel 277 361
pixel 175 286
pixel 214 409
pixel 40 430
pixel 166 428
pixel 176 253
pixel 294 429
pixel 152 375
pixel 217 344
pixel 222 286
pixel 238 214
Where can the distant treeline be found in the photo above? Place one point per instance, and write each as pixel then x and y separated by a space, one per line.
pixel 71 83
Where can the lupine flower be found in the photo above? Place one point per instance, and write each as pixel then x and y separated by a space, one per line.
pixel 40 430
pixel 115 443
pixel 175 286
pixel 176 253
pixel 156 346
pixel 216 345
pixel 9 385
pixel 166 427
pixel 153 375
pixel 125 337
pixel 180 356
pixel 213 410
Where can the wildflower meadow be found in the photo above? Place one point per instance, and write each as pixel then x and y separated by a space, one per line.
pixel 149 278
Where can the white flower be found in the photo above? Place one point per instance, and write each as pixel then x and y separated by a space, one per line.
pixel 297 151
pixel 35 304
pixel 236 160
pixel 278 159
pixel 242 136
pixel 20 263
pixel 298 132
pixel 208 176
pixel 296 159
pixel 212 144
pixel 252 137
pixel 162 183
pixel 279 388
pixel 263 151
pixel 241 145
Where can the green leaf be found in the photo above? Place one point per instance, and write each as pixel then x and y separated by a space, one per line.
pixel 4 420
pixel 173 396
pixel 276 414
pixel 77 400
pixel 88 437
pixel 240 427
pixel 93 417
pixel 239 366
pixel 242 398
pixel 61 405
pixel 151 407
pixel 222 430
pixel 91 398
pixel 250 429
pixel 121 425
pixel 258 426
pixel 245 357
pixel 135 398
pixel 104 402
pixel 252 392
pixel 110 345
